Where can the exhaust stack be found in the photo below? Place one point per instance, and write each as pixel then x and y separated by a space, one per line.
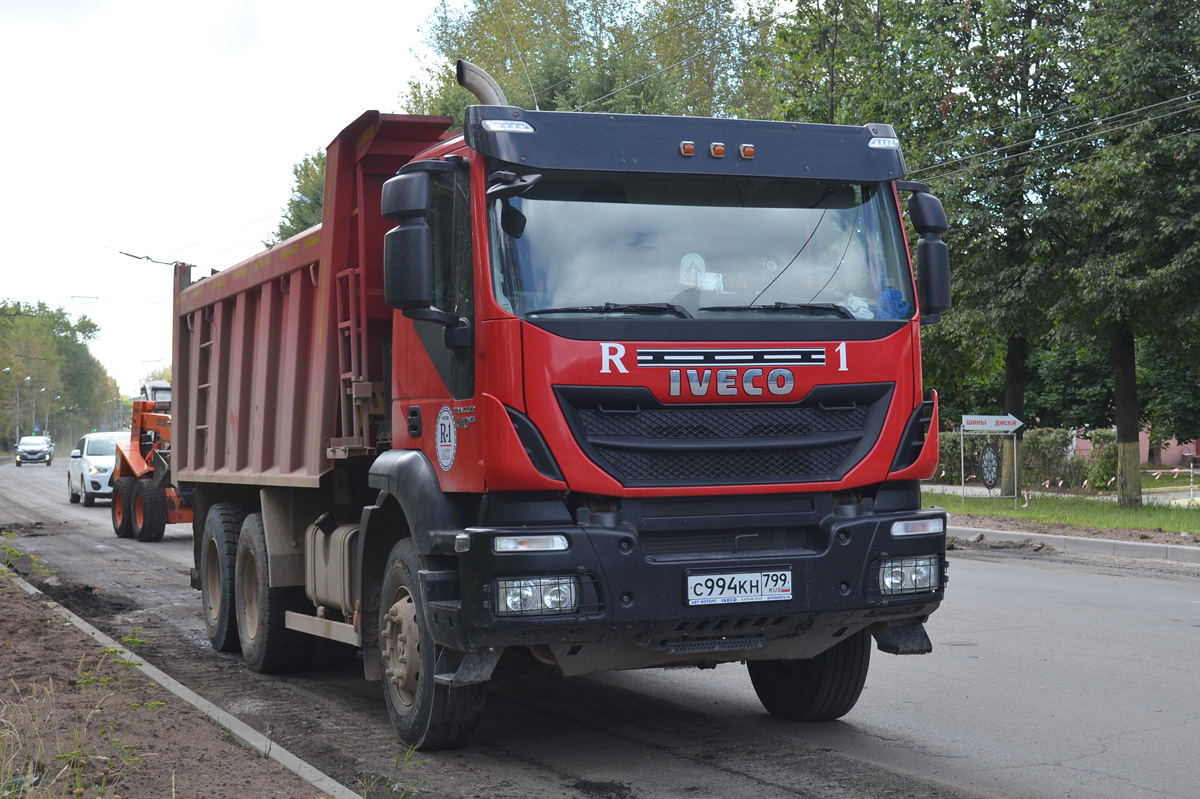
pixel 480 84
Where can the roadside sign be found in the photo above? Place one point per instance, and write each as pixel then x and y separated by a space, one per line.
pixel 991 424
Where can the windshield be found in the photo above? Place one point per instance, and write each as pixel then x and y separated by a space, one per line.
pixel 700 247
pixel 33 441
pixel 102 446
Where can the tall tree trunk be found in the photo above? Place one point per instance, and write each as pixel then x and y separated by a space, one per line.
pixel 1014 403
pixel 1129 482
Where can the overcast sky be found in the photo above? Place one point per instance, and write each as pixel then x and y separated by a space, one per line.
pixel 170 129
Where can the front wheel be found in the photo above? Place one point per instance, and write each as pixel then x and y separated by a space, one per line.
pixel 268 646
pixel 425 715
pixel 88 499
pixel 218 558
pixel 122 506
pixel 149 511
pixel 72 495
pixel 822 688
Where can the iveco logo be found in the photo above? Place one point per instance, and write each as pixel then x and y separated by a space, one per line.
pixel 727 381
pixel 726 372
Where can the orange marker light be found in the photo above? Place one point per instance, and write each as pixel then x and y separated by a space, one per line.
pixel 717 149
pixel 747 151
pixel 687 148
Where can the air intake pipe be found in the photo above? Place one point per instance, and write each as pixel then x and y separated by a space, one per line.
pixel 480 84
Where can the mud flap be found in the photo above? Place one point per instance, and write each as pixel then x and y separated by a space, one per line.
pixel 905 637
pixel 466 668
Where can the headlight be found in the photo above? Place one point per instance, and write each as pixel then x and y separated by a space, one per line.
pixel 910 575
pixel 537 596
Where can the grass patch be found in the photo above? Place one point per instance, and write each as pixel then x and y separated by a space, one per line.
pixel 1079 512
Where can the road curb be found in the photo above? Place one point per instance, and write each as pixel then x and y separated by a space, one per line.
pixel 242 732
pixel 1091 546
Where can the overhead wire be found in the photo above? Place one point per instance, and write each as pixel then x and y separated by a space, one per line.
pixel 1094 134
pixel 1037 117
pixel 1036 139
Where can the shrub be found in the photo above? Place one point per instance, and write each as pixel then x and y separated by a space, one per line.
pixel 1104 458
pixel 1045 455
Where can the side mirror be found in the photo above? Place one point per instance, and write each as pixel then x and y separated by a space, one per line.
pixel 933 278
pixel 927 214
pixel 928 218
pixel 408 247
pixel 76 453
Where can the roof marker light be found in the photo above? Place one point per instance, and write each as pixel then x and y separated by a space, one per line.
pixel 717 149
pixel 507 126
pixel 687 148
pixel 884 143
pixel 747 151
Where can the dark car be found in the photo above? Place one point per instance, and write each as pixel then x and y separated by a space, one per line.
pixel 35 449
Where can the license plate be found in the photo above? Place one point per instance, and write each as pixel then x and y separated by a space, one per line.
pixel 772 585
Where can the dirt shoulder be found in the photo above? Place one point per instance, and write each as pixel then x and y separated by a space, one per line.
pixel 78 720
pixel 1045 528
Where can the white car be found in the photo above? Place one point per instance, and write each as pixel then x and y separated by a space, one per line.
pixel 91 462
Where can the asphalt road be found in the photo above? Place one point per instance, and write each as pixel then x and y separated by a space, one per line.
pixel 1051 676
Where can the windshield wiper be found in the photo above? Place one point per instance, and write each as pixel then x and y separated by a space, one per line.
pixel 620 307
pixel 840 310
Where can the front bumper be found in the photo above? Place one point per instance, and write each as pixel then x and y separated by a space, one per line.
pixel 632 607
pixel 34 457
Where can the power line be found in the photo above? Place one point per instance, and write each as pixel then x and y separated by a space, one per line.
pixel 1019 120
pixel 1034 140
pixel 1194 105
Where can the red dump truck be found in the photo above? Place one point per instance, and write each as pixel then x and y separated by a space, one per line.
pixel 588 390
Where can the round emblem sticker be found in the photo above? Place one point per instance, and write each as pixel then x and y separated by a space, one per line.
pixel 447 438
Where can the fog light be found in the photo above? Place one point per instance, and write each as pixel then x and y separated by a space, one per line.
pixel 536 596
pixel 909 575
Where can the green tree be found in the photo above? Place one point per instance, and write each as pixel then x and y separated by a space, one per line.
pixel 305 207
pixel 613 56
pixel 1011 81
pixel 1130 198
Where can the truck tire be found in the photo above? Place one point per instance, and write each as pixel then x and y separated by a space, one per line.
pixel 149 511
pixel 72 494
pixel 822 688
pixel 218 559
pixel 122 506
pixel 426 715
pixel 268 646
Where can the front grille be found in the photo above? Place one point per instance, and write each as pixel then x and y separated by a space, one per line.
pixel 676 423
pixel 642 442
pixel 720 467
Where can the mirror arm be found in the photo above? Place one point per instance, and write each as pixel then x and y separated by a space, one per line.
pixel 458 334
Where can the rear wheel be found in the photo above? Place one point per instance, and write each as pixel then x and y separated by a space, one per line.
pixel 149 511
pixel 267 644
pixel 72 494
pixel 122 506
pixel 218 559
pixel 822 688
pixel 425 715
